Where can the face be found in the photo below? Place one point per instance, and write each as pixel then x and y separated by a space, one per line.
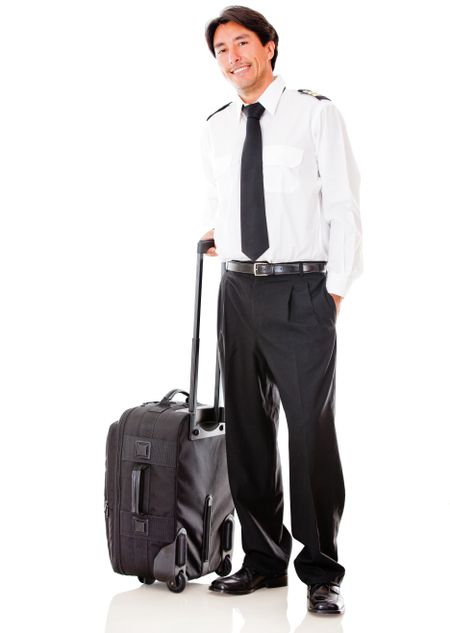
pixel 243 60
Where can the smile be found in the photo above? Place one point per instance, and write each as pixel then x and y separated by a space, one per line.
pixel 240 70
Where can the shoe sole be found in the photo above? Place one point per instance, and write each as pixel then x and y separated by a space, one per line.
pixel 325 612
pixel 271 583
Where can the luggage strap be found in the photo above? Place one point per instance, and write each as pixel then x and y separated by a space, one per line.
pixel 149 451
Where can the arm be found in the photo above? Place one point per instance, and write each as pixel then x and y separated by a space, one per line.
pixel 209 212
pixel 340 181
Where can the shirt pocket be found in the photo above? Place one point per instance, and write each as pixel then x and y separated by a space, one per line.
pixel 281 167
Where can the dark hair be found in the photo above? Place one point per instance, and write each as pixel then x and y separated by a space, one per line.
pixel 249 18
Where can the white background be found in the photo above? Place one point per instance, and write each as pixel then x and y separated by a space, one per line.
pixel 101 192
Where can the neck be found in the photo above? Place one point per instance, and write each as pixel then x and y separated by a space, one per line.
pixel 254 92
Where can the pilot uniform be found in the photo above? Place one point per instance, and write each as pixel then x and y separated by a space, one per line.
pixel 276 321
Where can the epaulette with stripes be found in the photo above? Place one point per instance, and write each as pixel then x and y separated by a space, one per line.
pixel 313 94
pixel 222 108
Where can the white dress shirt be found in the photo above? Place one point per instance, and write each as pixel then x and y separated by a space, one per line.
pixel 311 183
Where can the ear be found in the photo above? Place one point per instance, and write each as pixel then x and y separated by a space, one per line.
pixel 271 48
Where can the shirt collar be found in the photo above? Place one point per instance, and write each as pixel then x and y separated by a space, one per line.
pixel 269 98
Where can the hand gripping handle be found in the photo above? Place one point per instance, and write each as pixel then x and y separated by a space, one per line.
pixel 204 245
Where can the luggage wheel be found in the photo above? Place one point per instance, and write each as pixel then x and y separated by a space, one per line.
pixel 170 563
pixel 179 584
pixel 225 567
pixel 226 537
pixel 146 581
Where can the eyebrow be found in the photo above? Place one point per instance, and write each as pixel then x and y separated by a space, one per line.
pixel 239 37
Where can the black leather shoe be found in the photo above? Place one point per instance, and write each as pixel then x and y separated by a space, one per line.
pixel 247 580
pixel 325 599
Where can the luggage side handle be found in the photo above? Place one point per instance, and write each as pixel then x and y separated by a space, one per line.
pixel 137 477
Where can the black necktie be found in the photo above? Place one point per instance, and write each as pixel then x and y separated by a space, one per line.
pixel 254 237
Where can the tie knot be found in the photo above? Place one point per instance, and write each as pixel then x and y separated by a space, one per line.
pixel 254 110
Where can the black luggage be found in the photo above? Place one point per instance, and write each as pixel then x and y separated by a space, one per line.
pixel 168 508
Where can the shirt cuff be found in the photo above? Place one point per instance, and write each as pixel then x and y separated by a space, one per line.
pixel 338 284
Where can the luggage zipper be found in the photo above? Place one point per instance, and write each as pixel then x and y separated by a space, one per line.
pixel 122 423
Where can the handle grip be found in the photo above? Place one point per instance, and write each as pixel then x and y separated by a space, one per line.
pixel 136 486
pixel 168 397
pixel 203 245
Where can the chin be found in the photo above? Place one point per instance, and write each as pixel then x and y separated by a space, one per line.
pixel 243 85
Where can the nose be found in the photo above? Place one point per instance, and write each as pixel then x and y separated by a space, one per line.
pixel 233 55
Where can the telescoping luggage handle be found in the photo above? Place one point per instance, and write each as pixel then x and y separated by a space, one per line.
pixel 203 422
pixel 196 430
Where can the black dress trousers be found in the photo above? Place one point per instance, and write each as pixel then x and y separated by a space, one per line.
pixel 277 339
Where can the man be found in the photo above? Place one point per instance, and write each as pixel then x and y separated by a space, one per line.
pixel 283 189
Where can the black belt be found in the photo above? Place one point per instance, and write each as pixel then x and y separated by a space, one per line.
pixel 266 268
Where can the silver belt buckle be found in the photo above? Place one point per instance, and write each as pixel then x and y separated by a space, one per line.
pixel 255 270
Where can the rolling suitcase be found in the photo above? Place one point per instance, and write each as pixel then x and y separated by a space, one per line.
pixel 168 508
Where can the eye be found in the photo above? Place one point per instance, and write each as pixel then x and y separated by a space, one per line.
pixel 243 42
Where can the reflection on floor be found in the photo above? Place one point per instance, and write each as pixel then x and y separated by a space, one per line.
pixel 200 610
